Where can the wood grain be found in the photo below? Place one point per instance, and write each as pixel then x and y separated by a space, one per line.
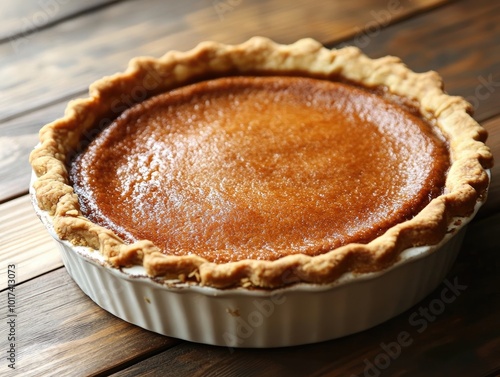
pixel 460 41
pixel 17 139
pixel 25 242
pixel 438 334
pixel 17 22
pixel 62 332
pixel 18 135
pixel 57 62
pixel 74 337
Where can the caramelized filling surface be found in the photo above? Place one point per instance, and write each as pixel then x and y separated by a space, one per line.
pixel 260 167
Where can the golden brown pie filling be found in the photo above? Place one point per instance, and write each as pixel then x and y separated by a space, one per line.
pixel 259 168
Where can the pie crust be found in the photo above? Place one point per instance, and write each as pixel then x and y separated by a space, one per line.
pixel 466 182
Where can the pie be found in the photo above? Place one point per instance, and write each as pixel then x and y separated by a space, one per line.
pixel 261 165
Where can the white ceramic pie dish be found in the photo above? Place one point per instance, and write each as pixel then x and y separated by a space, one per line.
pixel 240 317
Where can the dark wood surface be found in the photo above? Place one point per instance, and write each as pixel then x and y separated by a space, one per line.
pixel 62 332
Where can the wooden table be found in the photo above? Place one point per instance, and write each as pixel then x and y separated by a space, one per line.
pixel 51 50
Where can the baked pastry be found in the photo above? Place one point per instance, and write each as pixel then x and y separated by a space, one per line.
pixel 261 165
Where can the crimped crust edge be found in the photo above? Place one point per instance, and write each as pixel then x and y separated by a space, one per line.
pixel 466 183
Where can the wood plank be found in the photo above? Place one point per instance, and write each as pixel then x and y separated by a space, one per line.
pixel 458 338
pixel 19 19
pixel 57 62
pixel 62 332
pixel 461 41
pixel 18 135
pixel 17 138
pixel 25 242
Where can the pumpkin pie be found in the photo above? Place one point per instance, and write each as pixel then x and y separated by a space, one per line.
pixel 261 165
